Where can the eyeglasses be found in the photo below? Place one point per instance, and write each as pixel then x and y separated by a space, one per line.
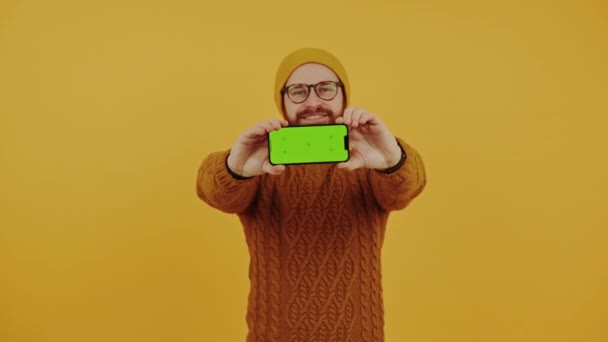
pixel 325 90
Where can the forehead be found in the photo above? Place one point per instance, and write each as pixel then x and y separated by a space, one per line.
pixel 311 73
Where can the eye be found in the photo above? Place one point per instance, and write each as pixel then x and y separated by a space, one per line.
pixel 298 90
pixel 327 88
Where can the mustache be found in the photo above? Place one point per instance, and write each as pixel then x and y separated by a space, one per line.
pixel 315 110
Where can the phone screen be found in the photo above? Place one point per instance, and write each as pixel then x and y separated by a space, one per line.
pixel 310 144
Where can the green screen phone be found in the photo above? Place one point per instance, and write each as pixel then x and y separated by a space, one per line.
pixel 308 144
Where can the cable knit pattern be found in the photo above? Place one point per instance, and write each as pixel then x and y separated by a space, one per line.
pixel 315 237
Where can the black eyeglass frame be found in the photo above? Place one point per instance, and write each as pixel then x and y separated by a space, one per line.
pixel 313 86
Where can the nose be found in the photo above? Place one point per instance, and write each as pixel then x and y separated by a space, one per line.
pixel 313 100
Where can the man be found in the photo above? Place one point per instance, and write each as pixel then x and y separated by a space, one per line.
pixel 314 232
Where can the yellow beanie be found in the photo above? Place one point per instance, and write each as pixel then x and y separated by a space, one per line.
pixel 303 56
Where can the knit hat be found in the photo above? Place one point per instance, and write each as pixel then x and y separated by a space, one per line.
pixel 303 56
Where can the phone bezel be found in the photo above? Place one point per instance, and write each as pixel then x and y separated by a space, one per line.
pixel 315 162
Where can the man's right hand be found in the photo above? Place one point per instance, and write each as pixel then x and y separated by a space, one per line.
pixel 249 154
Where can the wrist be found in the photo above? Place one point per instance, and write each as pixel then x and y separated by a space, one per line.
pixel 233 173
pixel 396 165
pixel 395 157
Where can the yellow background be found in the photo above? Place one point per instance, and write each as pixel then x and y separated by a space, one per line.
pixel 108 107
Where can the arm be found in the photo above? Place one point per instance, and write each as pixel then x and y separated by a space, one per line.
pixel 233 189
pixel 217 187
pixel 395 190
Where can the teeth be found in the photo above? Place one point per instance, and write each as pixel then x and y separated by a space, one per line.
pixel 315 117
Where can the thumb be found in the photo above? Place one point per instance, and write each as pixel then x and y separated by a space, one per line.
pixel 351 165
pixel 272 169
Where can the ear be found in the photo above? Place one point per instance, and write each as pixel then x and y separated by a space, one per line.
pixel 283 106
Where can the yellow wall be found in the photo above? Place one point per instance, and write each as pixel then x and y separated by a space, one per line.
pixel 108 107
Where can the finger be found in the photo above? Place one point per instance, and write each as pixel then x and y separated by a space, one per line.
pixel 254 132
pixel 347 115
pixel 352 164
pixel 269 126
pixel 276 124
pixel 356 116
pixel 366 117
pixel 349 166
pixel 267 167
pixel 278 169
pixel 340 120
pixel 272 169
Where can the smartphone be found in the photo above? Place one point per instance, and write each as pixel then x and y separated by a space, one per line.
pixel 308 144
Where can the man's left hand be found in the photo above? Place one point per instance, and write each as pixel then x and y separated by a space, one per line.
pixel 372 144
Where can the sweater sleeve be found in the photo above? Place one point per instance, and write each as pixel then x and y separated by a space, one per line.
pixel 219 189
pixel 394 191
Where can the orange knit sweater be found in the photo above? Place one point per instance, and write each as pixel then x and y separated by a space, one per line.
pixel 315 236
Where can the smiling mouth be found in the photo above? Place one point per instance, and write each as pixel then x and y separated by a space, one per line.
pixel 314 117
